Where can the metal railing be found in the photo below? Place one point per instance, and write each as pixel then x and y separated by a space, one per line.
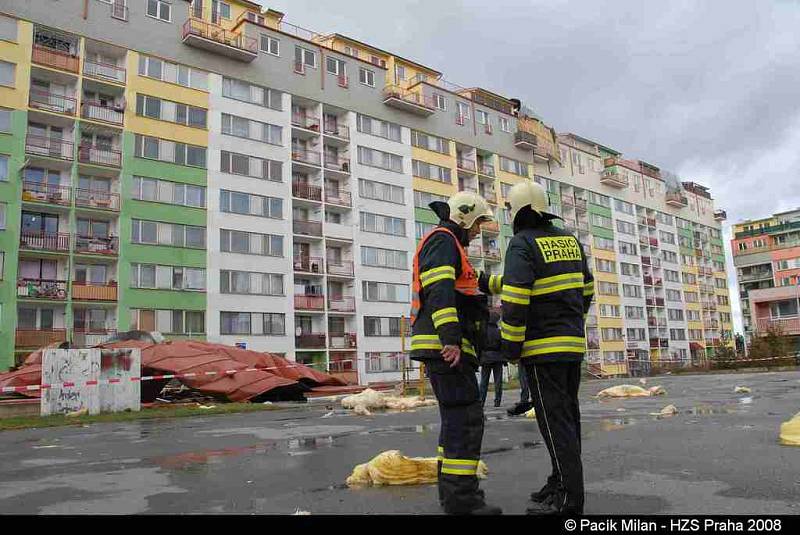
pixel 108 71
pixel 95 155
pixel 308 264
pixel 343 341
pixel 301 190
pixel 302 120
pixel 338 163
pixel 49 146
pixel 341 267
pixel 46 193
pixel 312 157
pixel 83 337
pixel 784 325
pixel 55 58
pixel 97 245
pixel 44 241
pixel 101 200
pixel 45 100
pixel 310 341
pixel 338 130
pixel 39 337
pixel 342 304
pixel 338 197
pixel 467 165
pixel 108 114
pixel 307 227
pixel 486 169
pixel 309 302
pixel 522 137
pixel 218 34
pixel 392 91
pixel 42 289
pixel 86 291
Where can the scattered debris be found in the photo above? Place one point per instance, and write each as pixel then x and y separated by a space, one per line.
pixel 642 381
pixel 790 431
pixel 81 412
pixel 742 390
pixel 621 409
pixel 267 403
pixel 669 410
pixel 630 391
pixel 393 468
pixel 327 414
pixel 298 512
pixel 362 402
pixel 206 407
pixel 531 414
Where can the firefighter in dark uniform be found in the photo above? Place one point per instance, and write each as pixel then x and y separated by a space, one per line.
pixel 446 312
pixel 546 292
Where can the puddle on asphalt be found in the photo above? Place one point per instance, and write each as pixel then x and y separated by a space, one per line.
pixel 746 400
pixel 401 429
pixel 528 445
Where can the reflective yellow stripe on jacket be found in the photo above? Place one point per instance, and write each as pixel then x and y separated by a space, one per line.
pixel 515 294
pixel 553 344
pixel 558 283
pixel 436 274
pixel 496 284
pixel 511 332
pixel 444 315
pixel 459 467
pixel 431 341
pixel 588 288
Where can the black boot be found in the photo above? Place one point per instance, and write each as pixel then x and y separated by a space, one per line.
pixel 548 489
pixel 520 408
pixel 486 510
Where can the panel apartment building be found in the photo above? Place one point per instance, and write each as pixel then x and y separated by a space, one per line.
pixel 210 171
pixel 766 253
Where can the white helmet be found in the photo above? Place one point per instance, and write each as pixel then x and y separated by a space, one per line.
pixel 528 193
pixel 466 207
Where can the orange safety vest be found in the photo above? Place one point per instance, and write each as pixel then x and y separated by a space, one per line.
pixel 466 283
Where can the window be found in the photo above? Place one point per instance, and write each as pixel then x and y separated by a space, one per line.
pixel 238 241
pixel 430 142
pixel 513 166
pixel 626 228
pixel 377 127
pixel 7 73
pixel 607 266
pixel 366 76
pixel 3 168
pixel 420 229
pixel 431 172
pixel 168 151
pixel 422 198
pixel 601 221
pixel 667 237
pixel 609 311
pixel 172 72
pixel 381 326
pixel 689 278
pixel 386 258
pixel 159 9
pixel 369 189
pixel 505 124
pixel 462 111
pixel 233 125
pixel 235 202
pixel 624 207
pixel 627 248
pixel 174 112
pixel 692 315
pixel 171 234
pixel 439 101
pixel 188 322
pixel 723 300
pixel 252 166
pixel 254 94
pixel 677 334
pixel 156 190
pixel 637 335
pixel 250 283
pixel 385 292
pixel 675 314
pixel 380 159
pixel 382 224
pixel 672 276
pixel 631 270
pixel 634 313
pixel 5 120
pixel 335 66
pixel 303 56
pixel 384 362
pixel 607 288
pixel 599 199
pixel 252 323
pixel 630 290
pixel 664 219
pixel 691 297
pixel 669 256
pixel 720 283
pixel 167 277
pixel 610 334
pixel 270 45
pixel 481 117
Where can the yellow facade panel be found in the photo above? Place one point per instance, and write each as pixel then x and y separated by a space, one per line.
pixel 434 186
pixel 167 130
pixel 435 158
pixel 19 54
pixel 604 255
pixel 612 346
pixel 617 323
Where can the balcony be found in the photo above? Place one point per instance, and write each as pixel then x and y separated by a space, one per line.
pixel 656 343
pixel 491 227
pixel 94 155
pixel 342 304
pixel 787 326
pixel 310 341
pixel 614 179
pixel 235 45
pixel 307 227
pixel 466 165
pixel 309 302
pixel 338 163
pixel 56 59
pixel 709 305
pixel 93 245
pixel 45 100
pixel 755 276
pixel 655 301
pixel 677 199
pixel 302 190
pixel 492 254
pixel 82 291
pixel 46 193
pixel 341 268
pixel 405 100
pixel 342 341
pixel 83 337
pixel 104 71
pixel 653 242
pixel 308 264
pixel 309 122
pixel 474 251
pixel 99 200
pixel 524 140
pixel 50 147
pixel 44 241
pixel 39 337
pixel 310 157
pixel 94 110
pixel 54 290
pixel 334 129
pixel 486 169
pixel 338 197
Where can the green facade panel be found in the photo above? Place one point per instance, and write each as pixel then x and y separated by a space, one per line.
pixel 425 215
pixel 602 232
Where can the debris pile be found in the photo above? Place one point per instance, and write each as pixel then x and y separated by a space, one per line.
pixel 393 468
pixel 630 391
pixel 742 390
pixel 362 402
pixel 790 431
pixel 669 410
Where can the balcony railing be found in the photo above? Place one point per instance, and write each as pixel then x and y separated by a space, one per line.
pixel 492 227
pixel 46 193
pixel 755 276
pixel 39 337
pixel 42 289
pixel 342 304
pixel 91 292
pixel 486 169
pixel 55 58
pixel 309 122
pixel 95 155
pixel 343 341
pixel 342 267
pixel 107 71
pixel 338 130
pixel 403 99
pixel 310 341
pixel 44 241
pixel 302 190
pixel 83 337
pixel 656 343
pixel 94 245
pixel 49 146
pixel 312 157
pixel 309 302
pixel 677 199
pixel 337 196
pixel 307 227
pixel 492 254
pixel 524 140
pixel 91 109
pixel 45 100
pixel 339 163
pixel 467 165
pixel 783 325
pixel 614 179
pixel 215 38
pixel 308 264
pixel 101 200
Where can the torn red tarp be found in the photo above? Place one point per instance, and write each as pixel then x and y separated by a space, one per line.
pixel 287 381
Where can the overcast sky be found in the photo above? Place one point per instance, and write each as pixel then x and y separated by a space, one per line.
pixel 707 89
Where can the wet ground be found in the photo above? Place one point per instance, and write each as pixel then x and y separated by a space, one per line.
pixel 718 455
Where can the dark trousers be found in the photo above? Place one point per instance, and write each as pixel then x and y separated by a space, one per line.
pixel 554 387
pixel 496 369
pixel 461 435
pixel 524 391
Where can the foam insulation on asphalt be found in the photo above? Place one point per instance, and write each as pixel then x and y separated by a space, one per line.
pixel 790 431
pixel 531 414
pixel 669 410
pixel 630 391
pixel 362 402
pixel 393 468
pixel 742 390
